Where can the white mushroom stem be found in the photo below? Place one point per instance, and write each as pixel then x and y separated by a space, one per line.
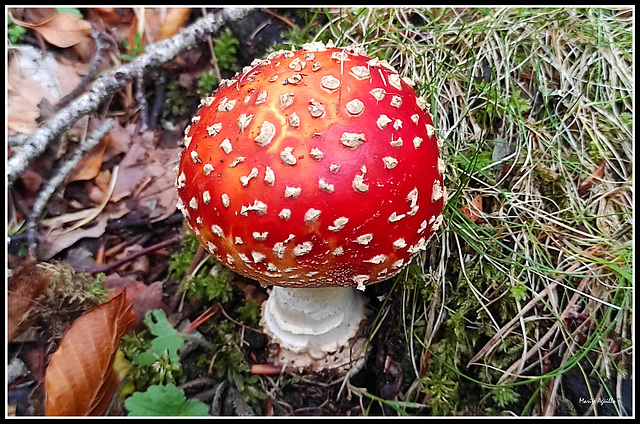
pixel 316 328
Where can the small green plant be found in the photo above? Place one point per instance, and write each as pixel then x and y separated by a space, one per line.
pixel 133 50
pixel 211 281
pixel 166 401
pixel 249 312
pixel 154 356
pixel 225 46
pixel 210 287
pixel 504 396
pixel 134 343
pixel 71 11
pixel 181 260
pixel 441 391
pixel 97 288
pixel 298 35
pixel 167 340
pixel 207 82
pixel 15 33
pixel 230 362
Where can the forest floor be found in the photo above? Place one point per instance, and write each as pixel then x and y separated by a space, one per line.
pixel 522 306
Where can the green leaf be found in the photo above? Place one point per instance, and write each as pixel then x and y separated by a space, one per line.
pixel 167 339
pixel 164 401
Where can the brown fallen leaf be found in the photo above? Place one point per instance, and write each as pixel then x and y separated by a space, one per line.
pixel 587 183
pixel 62 30
pixel 89 166
pixel 109 15
pixel 146 176
pixel 175 19
pixel 143 297
pixel 30 79
pixel 474 210
pixel 80 379
pixel 118 142
pixel 56 241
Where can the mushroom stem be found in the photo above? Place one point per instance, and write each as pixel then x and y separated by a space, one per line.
pixel 316 328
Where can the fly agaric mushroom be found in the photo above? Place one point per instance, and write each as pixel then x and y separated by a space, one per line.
pixel 314 171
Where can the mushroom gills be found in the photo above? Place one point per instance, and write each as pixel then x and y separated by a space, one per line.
pixel 316 328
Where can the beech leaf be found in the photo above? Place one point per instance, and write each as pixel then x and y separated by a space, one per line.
pixel 176 18
pixel 81 378
pixel 64 30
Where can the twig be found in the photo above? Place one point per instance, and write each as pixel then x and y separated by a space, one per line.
pixel 58 178
pixel 142 104
pixel 214 59
pixel 114 80
pixel 239 324
pixel 202 318
pixel 158 99
pixel 282 18
pixel 101 45
pixel 142 252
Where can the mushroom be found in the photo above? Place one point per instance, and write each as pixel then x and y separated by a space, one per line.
pixel 313 171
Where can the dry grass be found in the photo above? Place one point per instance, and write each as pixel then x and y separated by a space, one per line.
pixel 535 107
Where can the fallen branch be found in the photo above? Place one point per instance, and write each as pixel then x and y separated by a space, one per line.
pixel 114 80
pixel 58 178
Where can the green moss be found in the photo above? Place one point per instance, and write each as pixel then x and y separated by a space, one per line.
pixel 249 312
pixel 181 260
pixel 225 46
pixel 229 361
pixel 207 287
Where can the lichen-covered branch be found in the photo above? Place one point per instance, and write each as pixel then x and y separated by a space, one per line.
pixel 58 178
pixel 114 80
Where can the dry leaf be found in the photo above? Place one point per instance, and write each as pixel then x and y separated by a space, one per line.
pixel 89 166
pixel 57 241
pixel 31 77
pixel 143 297
pixel 80 378
pixel 110 15
pixel 474 211
pixel 146 174
pixel 176 18
pixel 118 142
pixel 32 15
pixel 587 183
pixel 69 75
pixel 63 30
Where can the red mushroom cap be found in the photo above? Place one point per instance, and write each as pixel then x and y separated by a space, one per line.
pixel 317 167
